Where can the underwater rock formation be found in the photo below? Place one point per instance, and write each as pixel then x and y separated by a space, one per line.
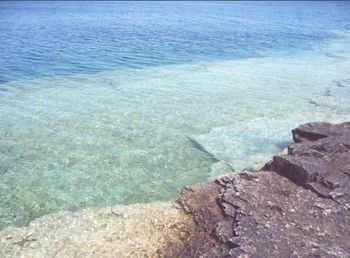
pixel 298 208
pixel 137 230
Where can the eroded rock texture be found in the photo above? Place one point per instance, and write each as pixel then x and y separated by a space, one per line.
pixel 320 161
pixel 300 208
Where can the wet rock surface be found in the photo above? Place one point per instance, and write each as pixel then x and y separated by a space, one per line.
pixel 201 202
pixel 299 208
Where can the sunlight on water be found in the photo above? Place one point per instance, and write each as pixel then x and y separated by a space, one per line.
pixel 69 142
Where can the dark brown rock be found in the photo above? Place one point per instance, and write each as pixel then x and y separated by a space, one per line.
pixel 200 201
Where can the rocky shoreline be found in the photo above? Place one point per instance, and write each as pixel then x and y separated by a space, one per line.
pixel 298 205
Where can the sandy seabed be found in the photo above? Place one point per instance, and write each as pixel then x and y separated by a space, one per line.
pixel 138 230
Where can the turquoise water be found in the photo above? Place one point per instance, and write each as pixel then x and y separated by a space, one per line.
pixel 119 103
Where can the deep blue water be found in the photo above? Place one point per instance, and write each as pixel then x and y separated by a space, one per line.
pixel 50 38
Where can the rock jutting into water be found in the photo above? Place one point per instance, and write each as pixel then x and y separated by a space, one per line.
pixel 296 206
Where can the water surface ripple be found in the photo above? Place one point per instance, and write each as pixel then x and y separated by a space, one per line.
pixel 119 103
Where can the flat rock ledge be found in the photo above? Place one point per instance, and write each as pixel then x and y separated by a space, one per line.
pixel 297 207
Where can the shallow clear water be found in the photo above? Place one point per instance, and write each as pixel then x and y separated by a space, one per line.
pixel 118 103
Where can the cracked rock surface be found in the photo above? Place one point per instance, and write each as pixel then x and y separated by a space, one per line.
pixel 299 208
pixel 319 161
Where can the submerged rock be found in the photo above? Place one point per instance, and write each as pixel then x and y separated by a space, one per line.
pixel 138 230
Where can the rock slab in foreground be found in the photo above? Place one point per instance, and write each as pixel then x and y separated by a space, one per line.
pixel 300 211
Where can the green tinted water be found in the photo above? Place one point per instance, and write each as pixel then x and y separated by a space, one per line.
pixel 69 142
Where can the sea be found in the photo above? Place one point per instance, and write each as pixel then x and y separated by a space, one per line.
pixel 105 103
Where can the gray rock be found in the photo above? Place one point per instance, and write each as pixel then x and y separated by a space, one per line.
pixel 317 130
pixel 322 165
